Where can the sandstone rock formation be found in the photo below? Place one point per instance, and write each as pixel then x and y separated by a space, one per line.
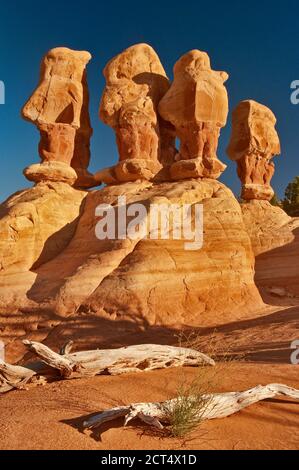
pixel 268 226
pixel 156 281
pixel 197 106
pixel 36 224
pixel 254 142
pixel 55 263
pixel 59 108
pixel 81 156
pixel 135 83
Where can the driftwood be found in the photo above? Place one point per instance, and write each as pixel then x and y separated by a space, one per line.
pixel 218 405
pixel 14 376
pixel 137 358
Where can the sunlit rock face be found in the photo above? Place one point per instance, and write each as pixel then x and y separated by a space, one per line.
pixel 53 260
pixel 135 83
pixel 254 142
pixel 197 106
pixel 59 108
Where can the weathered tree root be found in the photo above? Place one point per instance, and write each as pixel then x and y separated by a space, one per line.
pixel 137 358
pixel 13 376
pixel 218 405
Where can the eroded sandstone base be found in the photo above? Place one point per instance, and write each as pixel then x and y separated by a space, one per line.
pixel 153 281
pixel 268 226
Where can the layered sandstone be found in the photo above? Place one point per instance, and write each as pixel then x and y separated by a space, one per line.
pixel 254 142
pixel 268 226
pixel 197 106
pixel 59 108
pixel 135 83
pixel 157 281
pixel 37 224
pixel 56 260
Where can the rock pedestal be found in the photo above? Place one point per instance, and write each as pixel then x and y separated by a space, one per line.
pixel 59 108
pixel 135 83
pixel 197 106
pixel 254 142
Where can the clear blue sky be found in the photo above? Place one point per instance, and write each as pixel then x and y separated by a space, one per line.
pixel 256 43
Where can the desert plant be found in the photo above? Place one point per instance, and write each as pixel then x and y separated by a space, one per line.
pixel 191 403
pixel 194 398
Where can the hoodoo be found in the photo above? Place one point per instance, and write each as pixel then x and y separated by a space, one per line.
pixel 254 142
pixel 59 108
pixel 135 83
pixel 63 267
pixel 197 106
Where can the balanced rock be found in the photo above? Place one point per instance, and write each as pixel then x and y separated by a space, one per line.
pixel 135 83
pixel 197 106
pixel 59 108
pixel 254 142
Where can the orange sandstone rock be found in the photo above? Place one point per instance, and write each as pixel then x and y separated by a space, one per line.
pixel 135 83
pixel 36 224
pixel 156 281
pixel 268 226
pixel 81 156
pixel 197 106
pixel 53 262
pixel 254 142
pixel 59 108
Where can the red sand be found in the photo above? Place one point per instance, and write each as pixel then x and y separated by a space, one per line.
pixel 49 417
